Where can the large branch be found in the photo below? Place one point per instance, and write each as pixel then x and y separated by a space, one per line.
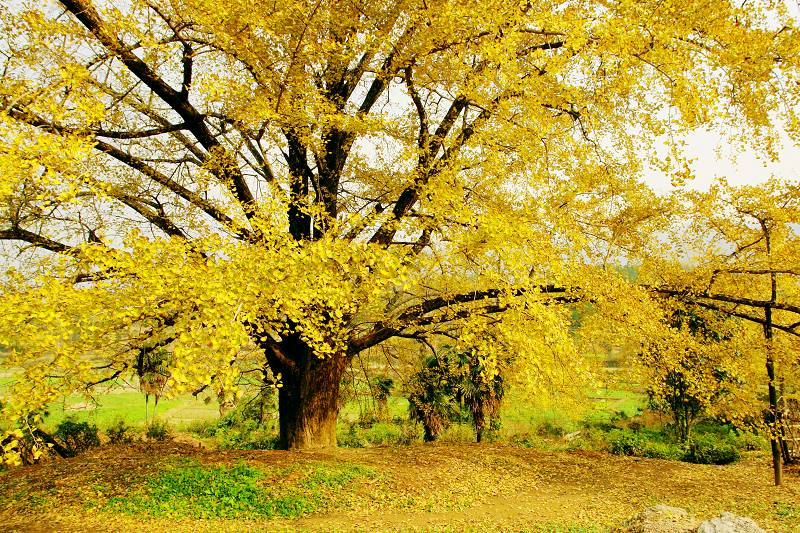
pixel 135 164
pixel 156 217
pixel 112 134
pixel 750 302
pixel 386 232
pixel 439 302
pixel 419 315
pixel 86 14
pixel 40 241
pixel 130 99
pixel 190 196
pixel 790 329
pixel 338 142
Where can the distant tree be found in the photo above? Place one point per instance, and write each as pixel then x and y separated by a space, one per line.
pixel 689 370
pixel 476 387
pixel 430 401
pixel 383 386
pixel 745 250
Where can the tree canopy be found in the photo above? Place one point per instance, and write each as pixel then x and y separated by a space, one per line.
pixel 285 185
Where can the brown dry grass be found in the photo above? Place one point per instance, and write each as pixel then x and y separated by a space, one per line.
pixel 424 487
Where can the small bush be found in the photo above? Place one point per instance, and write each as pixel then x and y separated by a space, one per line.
pixel 750 442
pixel 158 430
pixel 588 440
pixel 526 440
pixel 202 428
pixel 550 429
pixel 644 443
pixel 654 449
pixel 245 437
pixel 622 442
pixel 379 434
pixel 76 437
pixel 248 427
pixel 710 450
pixel 120 433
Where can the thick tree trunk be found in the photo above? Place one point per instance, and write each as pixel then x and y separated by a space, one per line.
pixel 308 399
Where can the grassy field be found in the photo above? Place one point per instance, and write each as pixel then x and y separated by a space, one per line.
pixel 128 405
pixel 124 402
pixel 487 487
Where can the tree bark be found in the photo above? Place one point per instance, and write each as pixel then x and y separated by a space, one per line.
pixel 308 398
pixel 774 414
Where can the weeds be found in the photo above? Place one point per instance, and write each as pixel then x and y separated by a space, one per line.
pixel 158 430
pixel 239 491
pixel 120 433
pixel 76 437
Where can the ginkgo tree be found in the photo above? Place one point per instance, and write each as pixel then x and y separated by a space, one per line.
pixel 292 183
pixel 740 256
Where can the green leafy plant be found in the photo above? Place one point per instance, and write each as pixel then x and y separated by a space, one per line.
pixel 120 433
pixel 239 491
pixel 76 437
pixel 710 450
pixel 158 430
pixel 453 386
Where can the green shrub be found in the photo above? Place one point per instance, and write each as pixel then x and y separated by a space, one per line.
pixel 746 441
pixel 202 428
pixel 550 429
pixel 76 437
pixel 644 443
pixel 158 430
pixel 246 436
pixel 654 449
pixel 243 428
pixel 120 433
pixel 526 440
pixel 624 442
pixel 379 434
pixel 711 450
pixel 588 440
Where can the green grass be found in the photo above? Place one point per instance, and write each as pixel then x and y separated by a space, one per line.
pixel 604 405
pixel 239 491
pixel 352 411
pixel 129 406
pixel 608 403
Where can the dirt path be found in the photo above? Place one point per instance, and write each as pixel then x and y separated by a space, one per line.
pixel 469 487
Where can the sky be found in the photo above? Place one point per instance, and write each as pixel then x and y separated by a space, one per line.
pixel 713 157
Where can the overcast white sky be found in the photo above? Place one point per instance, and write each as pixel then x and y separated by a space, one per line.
pixel 714 158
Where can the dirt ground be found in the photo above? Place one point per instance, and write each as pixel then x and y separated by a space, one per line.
pixel 418 488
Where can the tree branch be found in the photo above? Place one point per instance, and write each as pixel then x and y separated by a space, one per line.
pixel 40 241
pixel 86 14
pixel 728 299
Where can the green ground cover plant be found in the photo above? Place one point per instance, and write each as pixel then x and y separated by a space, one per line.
pixel 238 491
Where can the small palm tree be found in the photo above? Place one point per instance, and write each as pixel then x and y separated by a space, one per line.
pixel 152 369
pixel 383 388
pixel 481 395
pixel 429 399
